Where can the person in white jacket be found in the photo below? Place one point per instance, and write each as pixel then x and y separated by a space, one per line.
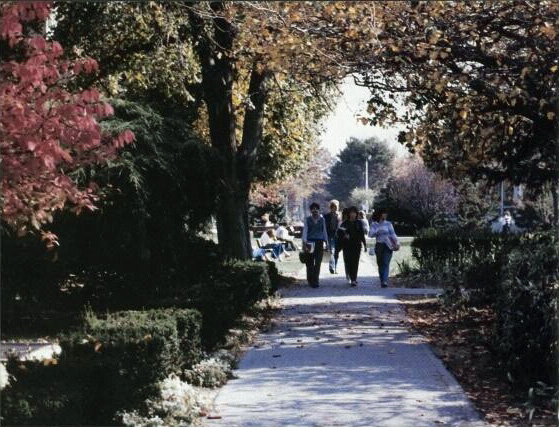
pixel 386 243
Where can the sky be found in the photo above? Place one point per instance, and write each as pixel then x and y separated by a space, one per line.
pixel 342 123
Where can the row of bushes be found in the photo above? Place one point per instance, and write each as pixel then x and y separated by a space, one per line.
pixel 115 361
pixel 518 276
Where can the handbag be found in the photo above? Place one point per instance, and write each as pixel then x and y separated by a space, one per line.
pixel 304 257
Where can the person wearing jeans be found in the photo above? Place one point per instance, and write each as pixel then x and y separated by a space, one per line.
pixel 332 220
pixel 384 255
pixel 314 236
pixel 386 243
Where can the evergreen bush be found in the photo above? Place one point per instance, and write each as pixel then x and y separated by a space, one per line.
pixel 113 363
pixel 527 313
pixel 229 291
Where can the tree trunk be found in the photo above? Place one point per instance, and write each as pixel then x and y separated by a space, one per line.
pixel 237 168
pixel 556 181
pixel 555 198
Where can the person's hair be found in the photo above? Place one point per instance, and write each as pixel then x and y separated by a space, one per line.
pixel 334 202
pixel 378 212
pixel 284 223
pixel 314 205
pixel 344 213
pixel 352 209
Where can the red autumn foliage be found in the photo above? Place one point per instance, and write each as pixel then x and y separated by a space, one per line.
pixel 47 130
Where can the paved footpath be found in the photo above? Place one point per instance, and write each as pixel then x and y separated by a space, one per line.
pixel 341 356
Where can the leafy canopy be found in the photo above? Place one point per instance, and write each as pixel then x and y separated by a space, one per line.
pixel 47 130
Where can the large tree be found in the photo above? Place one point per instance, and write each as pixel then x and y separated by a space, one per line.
pixel 302 41
pixel 348 172
pixel 243 79
pixel 47 129
pixel 480 80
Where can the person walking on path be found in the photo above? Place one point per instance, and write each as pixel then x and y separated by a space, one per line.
pixel 314 237
pixel 340 240
pixel 386 243
pixel 362 216
pixel 353 237
pixel 332 219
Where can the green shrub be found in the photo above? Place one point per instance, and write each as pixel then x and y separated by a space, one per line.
pixel 526 311
pixel 229 290
pixel 273 274
pixel 113 363
pixel 42 395
pixel 457 258
pixel 119 359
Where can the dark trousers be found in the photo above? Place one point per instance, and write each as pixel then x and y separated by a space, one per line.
pixel 384 255
pixel 313 266
pixel 351 261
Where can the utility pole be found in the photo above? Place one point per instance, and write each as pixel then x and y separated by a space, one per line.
pixel 367 182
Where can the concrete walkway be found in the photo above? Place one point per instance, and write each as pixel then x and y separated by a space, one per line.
pixel 341 356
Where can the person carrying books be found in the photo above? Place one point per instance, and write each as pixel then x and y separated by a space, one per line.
pixel 314 239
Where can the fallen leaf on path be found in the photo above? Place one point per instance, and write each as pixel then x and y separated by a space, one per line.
pixel 276 355
pixel 347 346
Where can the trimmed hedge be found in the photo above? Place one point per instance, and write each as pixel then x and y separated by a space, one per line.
pixel 43 394
pixel 471 259
pixel 230 290
pixel 458 249
pixel 114 363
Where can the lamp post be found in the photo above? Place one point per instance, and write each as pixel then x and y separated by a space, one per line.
pixel 367 182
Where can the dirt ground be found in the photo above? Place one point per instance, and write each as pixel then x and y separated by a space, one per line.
pixel 461 339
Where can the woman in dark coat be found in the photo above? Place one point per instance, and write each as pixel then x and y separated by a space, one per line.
pixel 353 236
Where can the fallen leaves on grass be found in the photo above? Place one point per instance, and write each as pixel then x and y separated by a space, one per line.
pixel 461 339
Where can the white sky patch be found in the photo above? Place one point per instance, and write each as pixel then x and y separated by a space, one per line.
pixel 342 123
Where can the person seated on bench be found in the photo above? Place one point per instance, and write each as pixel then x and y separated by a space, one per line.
pixel 282 234
pixel 265 221
pixel 260 254
pixel 269 241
